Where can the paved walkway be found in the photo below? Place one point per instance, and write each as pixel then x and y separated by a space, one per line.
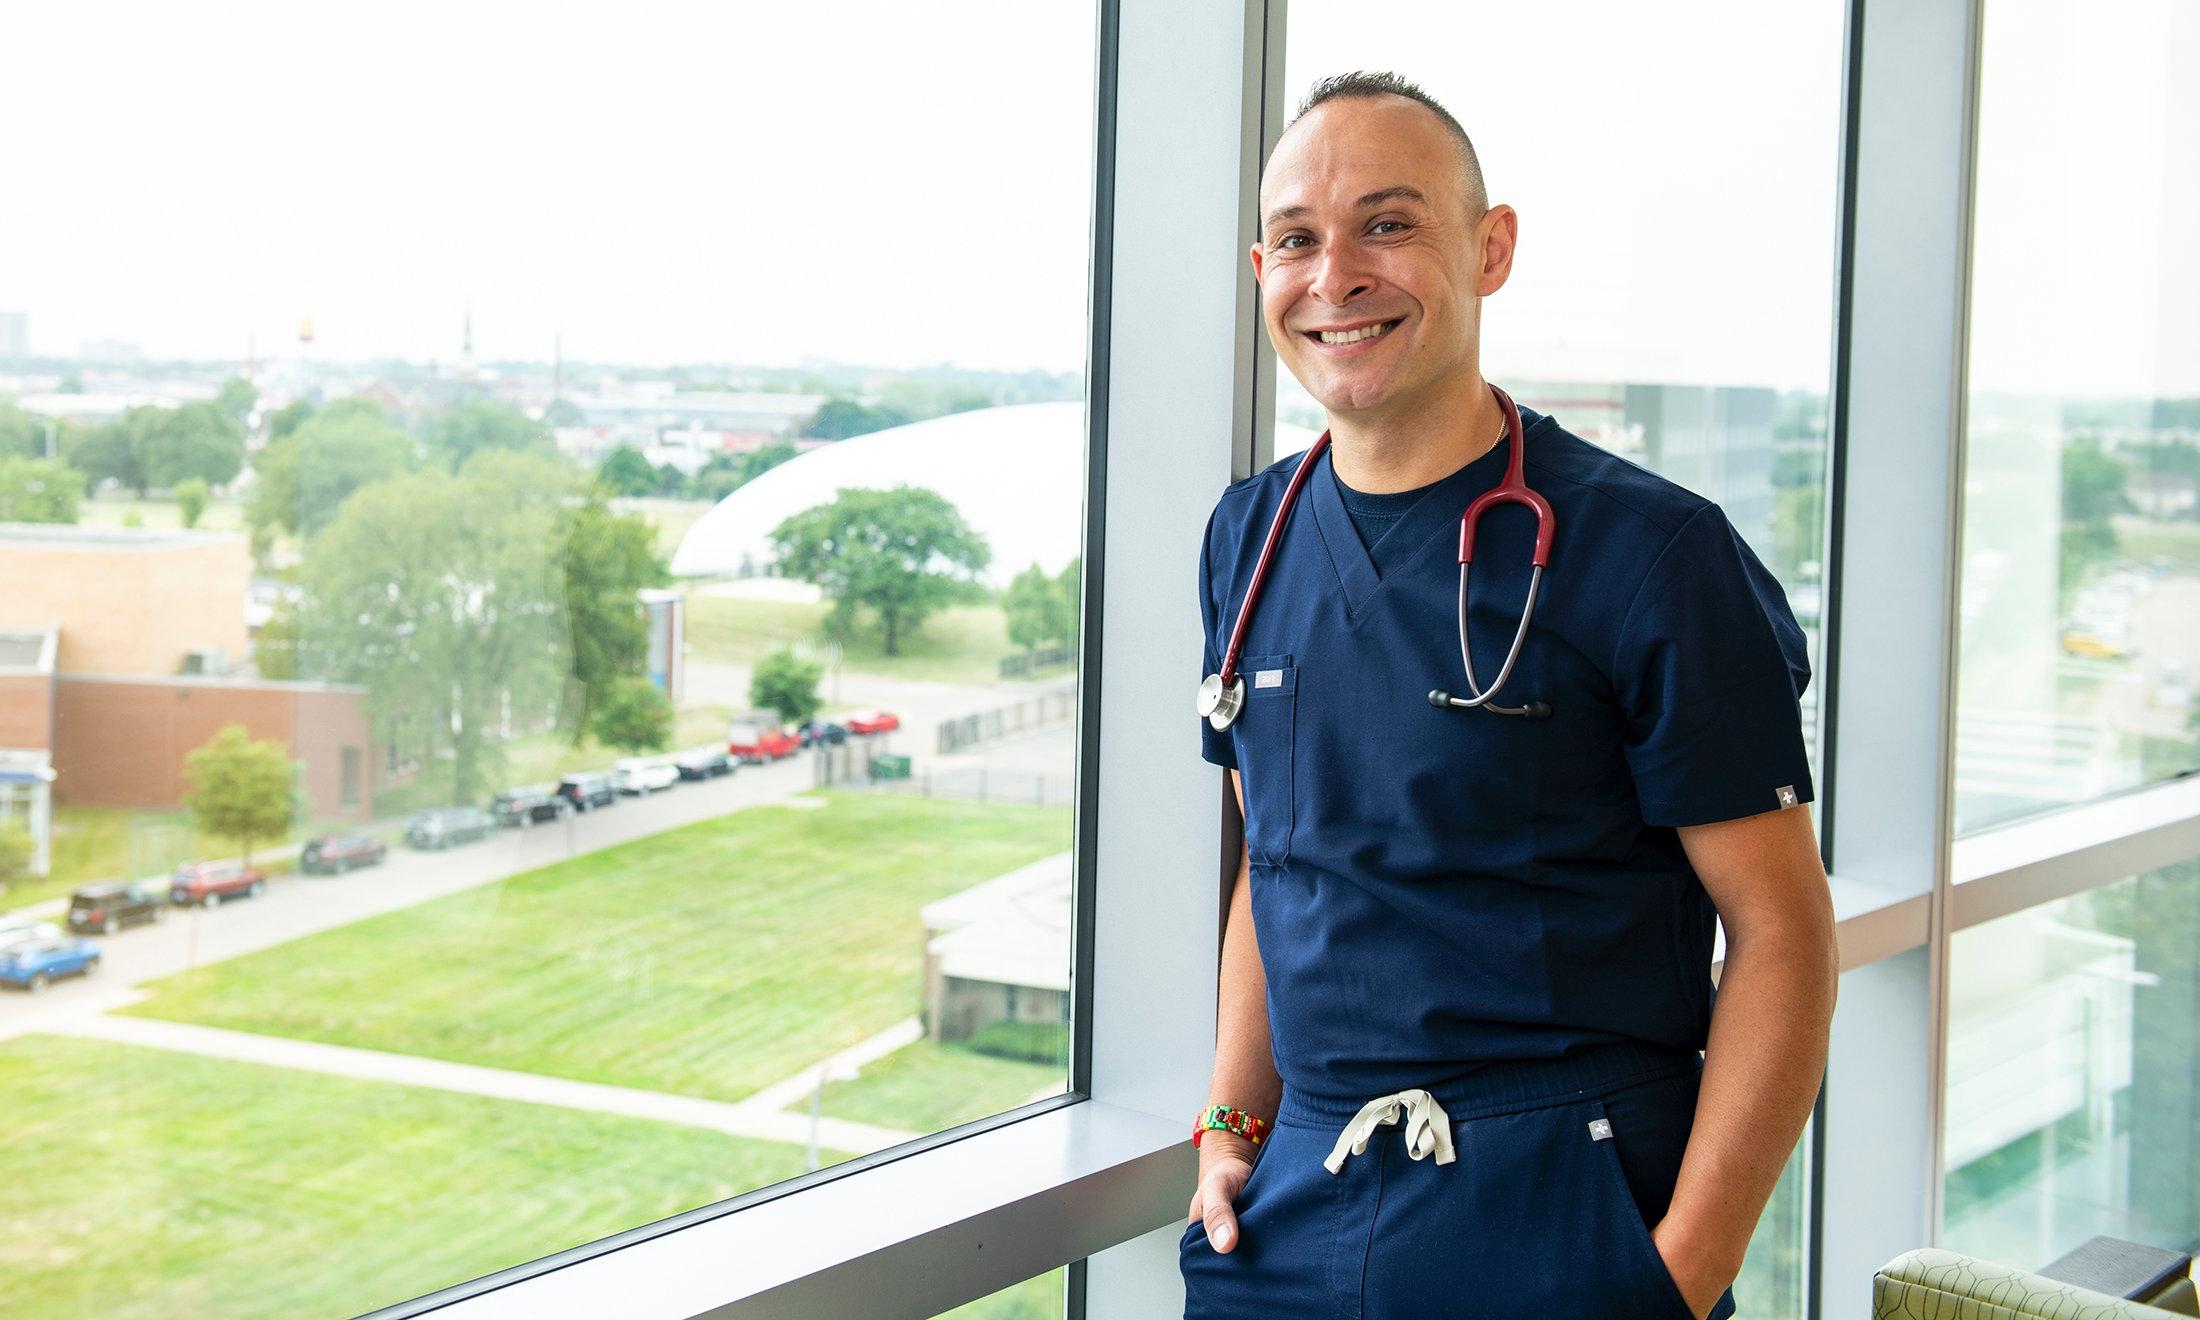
pixel 761 1116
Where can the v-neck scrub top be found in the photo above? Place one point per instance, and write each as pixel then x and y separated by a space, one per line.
pixel 1437 889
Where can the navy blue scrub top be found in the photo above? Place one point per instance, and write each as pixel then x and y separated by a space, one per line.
pixel 1437 889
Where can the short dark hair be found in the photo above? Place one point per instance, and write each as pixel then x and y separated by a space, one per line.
pixel 1365 85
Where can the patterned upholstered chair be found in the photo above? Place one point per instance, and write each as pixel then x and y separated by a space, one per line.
pixel 1933 1284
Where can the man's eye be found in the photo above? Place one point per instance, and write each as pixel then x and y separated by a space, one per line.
pixel 1380 223
pixel 1286 241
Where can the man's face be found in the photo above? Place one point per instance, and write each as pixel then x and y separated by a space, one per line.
pixel 1364 227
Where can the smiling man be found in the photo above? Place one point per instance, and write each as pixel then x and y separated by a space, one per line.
pixel 1468 1061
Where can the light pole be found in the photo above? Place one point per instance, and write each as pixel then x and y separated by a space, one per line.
pixel 836 1072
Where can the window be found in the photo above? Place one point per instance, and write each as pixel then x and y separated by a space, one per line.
pixel 500 398
pixel 2081 541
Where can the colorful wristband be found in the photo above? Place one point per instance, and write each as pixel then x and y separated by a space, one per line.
pixel 1226 1118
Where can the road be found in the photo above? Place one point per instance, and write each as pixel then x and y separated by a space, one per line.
pixel 301 905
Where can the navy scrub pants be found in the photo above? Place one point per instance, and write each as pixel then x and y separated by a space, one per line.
pixel 1556 1171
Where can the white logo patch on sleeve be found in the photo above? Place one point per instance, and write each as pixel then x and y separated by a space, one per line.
pixel 1786 793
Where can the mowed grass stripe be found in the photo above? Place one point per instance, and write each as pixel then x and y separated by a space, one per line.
pixel 709 960
pixel 144 1183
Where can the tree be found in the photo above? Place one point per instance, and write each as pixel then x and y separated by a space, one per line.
pixel 288 418
pixel 633 716
pixel 785 682
pixel 902 553
pixel 22 434
pixel 838 419
pixel 607 557
pixel 1070 583
pixel 724 474
pixel 237 398
pixel 301 480
pixel 626 472
pixel 2092 495
pixel 478 427
pixel 106 453
pixel 36 491
pixel 563 412
pixel 15 853
pixel 241 789
pixel 196 440
pixel 190 501
pixel 1033 604
pixel 439 592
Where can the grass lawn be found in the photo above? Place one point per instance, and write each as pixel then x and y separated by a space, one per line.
pixel 932 1086
pixel 671 518
pixel 961 644
pixel 1039 1298
pixel 708 960
pixel 143 1183
pixel 539 758
pixel 158 513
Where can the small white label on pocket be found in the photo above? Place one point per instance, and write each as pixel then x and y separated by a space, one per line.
pixel 1600 1129
pixel 1268 678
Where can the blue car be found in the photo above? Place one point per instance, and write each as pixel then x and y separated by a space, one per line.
pixel 33 963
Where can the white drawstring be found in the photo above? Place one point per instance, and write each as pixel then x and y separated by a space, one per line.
pixel 1428 1127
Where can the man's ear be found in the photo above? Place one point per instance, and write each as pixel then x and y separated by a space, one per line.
pixel 1255 253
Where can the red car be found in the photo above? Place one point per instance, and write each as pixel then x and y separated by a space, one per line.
pixel 756 736
pixel 334 854
pixel 873 721
pixel 208 883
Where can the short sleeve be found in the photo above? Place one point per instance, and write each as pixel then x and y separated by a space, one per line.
pixel 1710 670
pixel 1215 745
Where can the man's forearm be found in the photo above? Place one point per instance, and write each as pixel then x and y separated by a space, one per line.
pixel 1763 1064
pixel 1245 1063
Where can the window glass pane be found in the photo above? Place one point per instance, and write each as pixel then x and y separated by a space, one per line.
pixel 547 544
pixel 1671 298
pixel 2072 1028
pixel 2081 540
pixel 1039 1298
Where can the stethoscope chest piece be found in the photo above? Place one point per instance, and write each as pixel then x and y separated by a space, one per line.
pixel 1219 704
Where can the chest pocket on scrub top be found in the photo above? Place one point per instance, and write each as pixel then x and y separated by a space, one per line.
pixel 1265 732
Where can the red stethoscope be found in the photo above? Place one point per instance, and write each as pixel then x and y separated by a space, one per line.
pixel 1222 696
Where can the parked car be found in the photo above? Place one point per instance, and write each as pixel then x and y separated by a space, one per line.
pixel 447 827
pixel 638 777
pixel 334 854
pixel 873 720
pixel 815 732
pixel 588 790
pixel 522 807
pixel 702 763
pixel 208 883
pixel 108 908
pixel 33 963
pixel 757 737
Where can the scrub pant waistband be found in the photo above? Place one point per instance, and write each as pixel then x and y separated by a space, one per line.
pixel 1510 1084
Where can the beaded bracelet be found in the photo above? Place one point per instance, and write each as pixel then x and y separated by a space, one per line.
pixel 1226 1118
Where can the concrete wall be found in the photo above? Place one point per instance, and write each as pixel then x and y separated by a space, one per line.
pixel 122 742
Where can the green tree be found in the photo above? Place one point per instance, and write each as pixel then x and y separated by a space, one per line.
pixel 440 593
pixel 241 789
pixel 34 490
pixel 838 419
pixel 785 682
pixel 625 472
pixel 1070 584
pixel 563 412
pixel 15 853
pixel 1033 606
pixel 607 558
pixel 237 397
pixel 2093 483
pixel 275 645
pixel 106 452
pixel 478 427
pixel 190 501
pixel 196 440
pixel 902 553
pixel 301 480
pixel 724 474
pixel 288 418
pixel 633 716
pixel 22 434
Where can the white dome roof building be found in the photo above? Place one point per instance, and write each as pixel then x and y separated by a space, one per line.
pixel 1016 474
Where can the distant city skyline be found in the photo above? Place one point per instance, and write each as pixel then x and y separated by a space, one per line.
pixel 685 187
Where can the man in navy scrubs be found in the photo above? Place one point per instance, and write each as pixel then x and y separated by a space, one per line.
pixel 1465 987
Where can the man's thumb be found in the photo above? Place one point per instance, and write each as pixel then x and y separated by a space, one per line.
pixel 1221 1226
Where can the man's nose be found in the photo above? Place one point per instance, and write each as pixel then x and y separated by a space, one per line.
pixel 1339 276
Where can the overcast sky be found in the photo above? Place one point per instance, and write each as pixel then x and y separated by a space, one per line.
pixel 909 184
